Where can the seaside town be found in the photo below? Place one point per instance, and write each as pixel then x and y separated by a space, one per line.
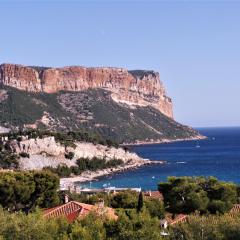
pixel 119 120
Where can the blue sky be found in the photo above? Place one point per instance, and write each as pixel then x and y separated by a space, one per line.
pixel 195 45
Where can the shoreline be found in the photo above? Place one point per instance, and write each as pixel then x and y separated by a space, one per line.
pixel 162 141
pixel 89 176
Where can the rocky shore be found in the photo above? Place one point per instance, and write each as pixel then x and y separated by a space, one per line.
pixel 93 176
pixel 199 137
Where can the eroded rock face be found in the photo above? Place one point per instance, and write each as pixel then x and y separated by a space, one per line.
pixel 21 77
pixel 129 87
pixel 47 152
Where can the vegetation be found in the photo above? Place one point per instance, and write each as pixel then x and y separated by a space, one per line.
pixel 92 110
pixel 27 190
pixel 19 226
pixel 127 200
pixel 140 202
pixel 129 226
pixel 190 194
pixel 84 164
pixel 34 227
pixel 8 159
pixel 212 227
pixel 141 73
pixel 65 138
pixel 138 216
pixel 24 155
pixel 69 155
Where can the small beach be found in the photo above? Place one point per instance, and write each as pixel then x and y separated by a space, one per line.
pixel 93 176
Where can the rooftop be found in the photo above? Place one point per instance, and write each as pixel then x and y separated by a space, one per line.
pixel 74 210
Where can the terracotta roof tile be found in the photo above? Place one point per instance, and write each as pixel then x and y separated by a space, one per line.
pixel 153 194
pixel 73 210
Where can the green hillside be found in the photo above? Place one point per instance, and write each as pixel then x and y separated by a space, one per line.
pixel 93 110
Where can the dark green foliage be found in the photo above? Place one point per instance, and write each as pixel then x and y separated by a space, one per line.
pixel 155 207
pixel 125 199
pixel 24 154
pixel 124 124
pixel 65 138
pixel 84 164
pixel 141 73
pixel 69 155
pixel 121 200
pixel 93 110
pixel 129 226
pixel 211 227
pixel 34 227
pixel 140 202
pixel 97 163
pixel 133 226
pixel 26 190
pixel 188 194
pixel 19 226
pixel 39 69
pixel 60 170
pixel 8 159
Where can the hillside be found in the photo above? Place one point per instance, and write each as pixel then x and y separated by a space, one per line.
pixel 80 154
pixel 92 109
pixel 140 87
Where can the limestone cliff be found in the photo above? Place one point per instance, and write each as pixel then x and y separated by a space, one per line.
pixel 47 152
pixel 141 88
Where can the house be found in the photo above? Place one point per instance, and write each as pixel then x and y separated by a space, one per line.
pixel 235 209
pixel 170 220
pixel 164 223
pixel 180 218
pixel 75 210
pixel 154 194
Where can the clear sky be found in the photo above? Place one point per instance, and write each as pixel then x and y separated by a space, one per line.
pixel 195 45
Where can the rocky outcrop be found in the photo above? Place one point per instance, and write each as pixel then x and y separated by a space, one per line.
pixel 23 78
pixel 4 130
pixel 138 87
pixel 47 152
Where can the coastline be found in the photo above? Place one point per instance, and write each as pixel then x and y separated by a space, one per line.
pixel 89 176
pixel 162 141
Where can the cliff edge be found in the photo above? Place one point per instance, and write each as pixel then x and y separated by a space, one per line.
pixel 139 87
pixel 120 105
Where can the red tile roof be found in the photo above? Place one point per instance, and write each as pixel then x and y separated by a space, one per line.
pixel 73 210
pixel 235 209
pixel 180 218
pixel 153 194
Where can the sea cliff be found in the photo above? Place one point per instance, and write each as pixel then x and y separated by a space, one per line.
pixel 139 87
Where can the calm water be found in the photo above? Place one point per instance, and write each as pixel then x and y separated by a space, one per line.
pixel 217 156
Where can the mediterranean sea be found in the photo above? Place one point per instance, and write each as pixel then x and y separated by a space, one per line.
pixel 218 156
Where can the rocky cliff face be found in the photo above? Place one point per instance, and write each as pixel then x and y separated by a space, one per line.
pixel 47 152
pixel 141 88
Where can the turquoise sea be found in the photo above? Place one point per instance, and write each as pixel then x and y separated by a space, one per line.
pixel 218 156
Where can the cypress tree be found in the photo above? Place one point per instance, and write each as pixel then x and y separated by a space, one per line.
pixel 140 202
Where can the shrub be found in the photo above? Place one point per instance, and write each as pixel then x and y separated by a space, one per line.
pixel 69 155
pixel 24 154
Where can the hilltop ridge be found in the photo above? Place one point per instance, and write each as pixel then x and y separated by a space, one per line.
pixel 121 105
pixel 141 88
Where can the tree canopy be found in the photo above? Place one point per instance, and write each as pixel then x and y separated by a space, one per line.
pixel 189 194
pixel 26 190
